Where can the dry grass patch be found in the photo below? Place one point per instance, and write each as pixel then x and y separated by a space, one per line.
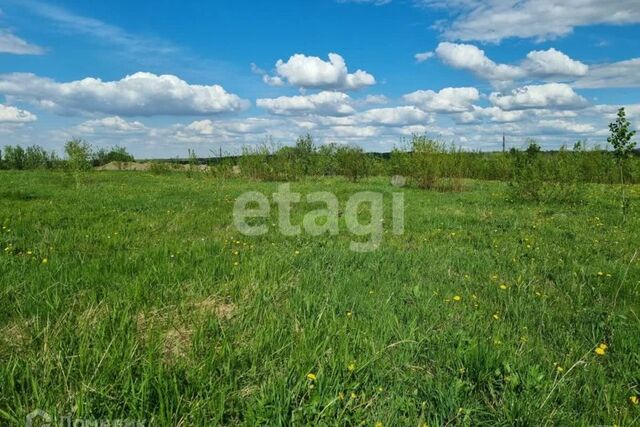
pixel 177 329
pixel 15 335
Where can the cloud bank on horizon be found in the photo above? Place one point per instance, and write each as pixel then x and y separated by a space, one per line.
pixel 472 71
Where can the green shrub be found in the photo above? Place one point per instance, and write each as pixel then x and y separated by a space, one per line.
pixel 352 162
pixel 115 154
pixel 527 180
pixel 159 168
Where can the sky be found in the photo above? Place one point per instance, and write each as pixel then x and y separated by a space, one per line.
pixel 162 77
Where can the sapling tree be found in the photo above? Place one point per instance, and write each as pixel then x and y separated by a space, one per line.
pixel 621 141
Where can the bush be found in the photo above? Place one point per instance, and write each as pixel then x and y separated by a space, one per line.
pixel 352 162
pixel 527 179
pixel 159 168
pixel 425 163
pixel 115 154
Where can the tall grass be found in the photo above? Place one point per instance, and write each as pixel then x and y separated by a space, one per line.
pixel 150 306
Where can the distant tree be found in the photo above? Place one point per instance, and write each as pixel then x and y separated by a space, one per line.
pixel 14 157
pixel 620 139
pixel 36 157
pixel 621 135
pixel 115 154
pixel 304 152
pixel 78 154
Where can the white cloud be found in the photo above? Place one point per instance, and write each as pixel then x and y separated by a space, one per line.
pixel 323 103
pixel 495 20
pixel 538 64
pixel 494 114
pixel 353 132
pixel 447 100
pixel 550 95
pixel 10 43
pixel 113 124
pixel 313 72
pixel 566 126
pixel 625 74
pixel 9 114
pixel 422 57
pixel 398 116
pixel 548 63
pixel 141 94
pixel 469 57
pixel 376 99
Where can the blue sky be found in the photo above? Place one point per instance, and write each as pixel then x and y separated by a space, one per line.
pixel 163 77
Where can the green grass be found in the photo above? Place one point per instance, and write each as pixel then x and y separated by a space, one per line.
pixel 140 311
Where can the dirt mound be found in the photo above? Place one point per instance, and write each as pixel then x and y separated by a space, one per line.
pixel 135 166
pixel 124 166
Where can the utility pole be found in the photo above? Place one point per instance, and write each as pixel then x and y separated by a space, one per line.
pixel 504 143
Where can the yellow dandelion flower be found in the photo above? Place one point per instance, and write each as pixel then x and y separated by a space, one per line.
pixel 349 314
pixel 634 400
pixel 44 261
pixel 600 351
pixel 311 376
pixel 496 317
pixel 560 369
pixel 600 273
pixel 378 424
pixel 351 367
pixel 503 287
pixel 236 263
pixel 603 346
pixel 29 253
pixel 457 298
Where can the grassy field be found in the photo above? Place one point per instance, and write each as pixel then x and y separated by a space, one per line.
pixel 133 297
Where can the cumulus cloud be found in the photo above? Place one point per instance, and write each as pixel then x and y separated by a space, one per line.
pixel 552 62
pixel 324 103
pixel 550 95
pixel 566 126
pixel 447 100
pixel 472 58
pixel 113 124
pixel 375 99
pixel 398 116
pixel 140 94
pixel 423 56
pixel 10 43
pixel 495 20
pixel 313 72
pixel 493 114
pixel 9 114
pixel 539 64
pixel 624 74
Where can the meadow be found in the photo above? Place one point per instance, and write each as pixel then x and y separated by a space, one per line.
pixel 130 295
